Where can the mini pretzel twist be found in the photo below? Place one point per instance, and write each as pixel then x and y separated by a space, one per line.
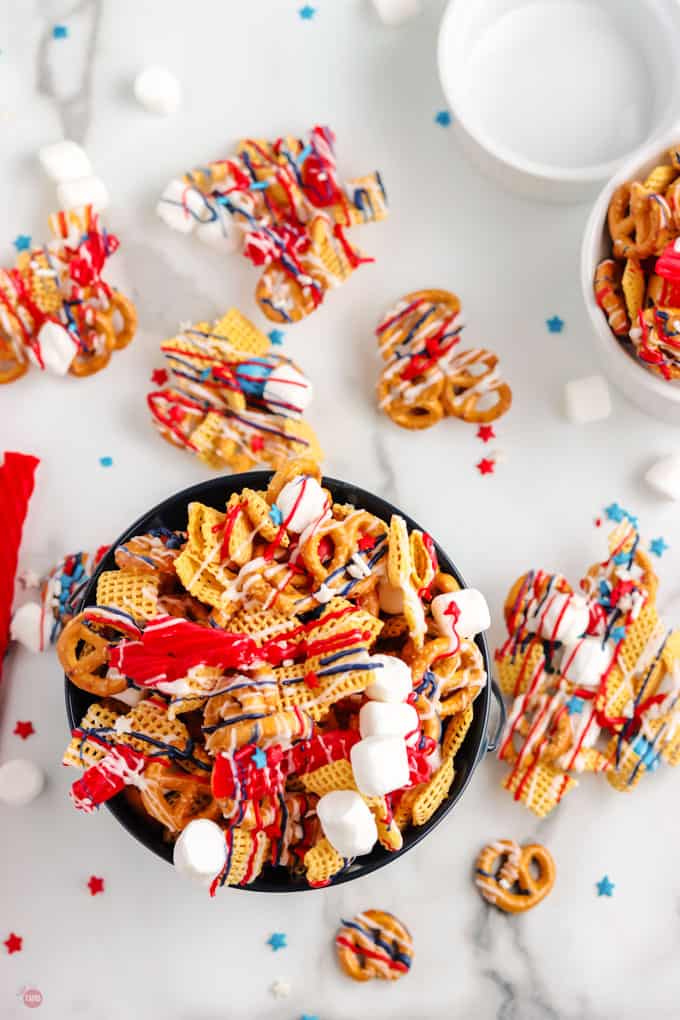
pixel 374 945
pixel 84 657
pixel 465 392
pixel 175 798
pixel 609 295
pixel 512 887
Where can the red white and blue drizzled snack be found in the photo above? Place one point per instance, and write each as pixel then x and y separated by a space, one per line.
pixel 281 203
pixel 295 673
pixel 593 676
pixel 374 944
pixel 56 310
pixel 231 398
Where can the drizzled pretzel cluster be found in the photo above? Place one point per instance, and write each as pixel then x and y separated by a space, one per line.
pixel 638 288
pixel 593 677
pixel 282 203
pixel 231 662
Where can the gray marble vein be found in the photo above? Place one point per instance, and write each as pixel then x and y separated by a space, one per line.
pixel 73 106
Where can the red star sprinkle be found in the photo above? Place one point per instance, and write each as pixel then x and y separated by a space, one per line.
pixel 312 681
pixel 486 466
pixel 95 885
pixel 13 943
pixel 366 542
pixel 159 377
pixel 256 444
pixel 24 729
pixel 485 433
pixel 598 522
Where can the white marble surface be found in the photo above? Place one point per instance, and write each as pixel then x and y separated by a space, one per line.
pixel 151 946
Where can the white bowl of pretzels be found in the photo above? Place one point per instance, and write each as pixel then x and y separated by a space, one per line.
pixel 628 269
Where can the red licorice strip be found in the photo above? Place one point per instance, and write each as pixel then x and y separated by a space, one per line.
pixel 17 479
pixel 104 780
pixel 668 264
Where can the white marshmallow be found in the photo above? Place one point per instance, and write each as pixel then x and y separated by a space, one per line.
pixel 587 399
pixel 347 822
pixel 473 613
pixel 57 348
pixel 181 206
pixel 200 851
pixel 561 617
pixel 391 682
pixel 311 507
pixel 158 90
pixel 30 626
pixel 80 191
pixel 222 232
pixel 380 765
pixel 287 386
pixel 130 696
pixel 390 597
pixel 664 476
pixel 65 161
pixel 395 12
pixel 21 781
pixel 385 719
pixel 584 662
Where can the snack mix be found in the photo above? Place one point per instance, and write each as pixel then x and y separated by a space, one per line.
pixel 593 676
pixel 231 399
pixel 56 310
pixel 298 672
pixel 514 878
pixel 638 288
pixel 282 204
pixel 374 944
pixel 425 376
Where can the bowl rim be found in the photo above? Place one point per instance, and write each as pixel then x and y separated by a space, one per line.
pixel 609 345
pixel 546 172
pixel 379 857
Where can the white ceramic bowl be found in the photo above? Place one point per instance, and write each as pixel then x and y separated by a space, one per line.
pixel 652 394
pixel 549 96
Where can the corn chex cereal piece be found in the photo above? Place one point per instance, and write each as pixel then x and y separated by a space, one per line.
pixel 433 794
pixel 539 787
pixel 247 853
pixel 322 863
pixel 259 514
pixel 627 765
pixel 338 775
pixel 517 666
pixel 81 752
pixel 135 594
pixel 456 732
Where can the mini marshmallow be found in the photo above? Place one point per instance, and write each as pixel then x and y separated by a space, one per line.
pixel 561 617
pixel 21 781
pixel 182 206
pixel 395 12
pixel 347 822
pixel 463 613
pixel 390 597
pixel 158 90
pixel 65 161
pixel 200 851
pixel 57 348
pixel 380 765
pixel 30 627
pixel 130 696
pixel 584 662
pixel 286 391
pixel 300 509
pixel 81 191
pixel 221 232
pixel 392 682
pixel 587 400
pixel 664 477
pixel 385 719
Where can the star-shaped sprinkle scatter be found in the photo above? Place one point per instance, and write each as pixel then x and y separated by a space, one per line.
pixel 22 242
pixel 276 515
pixel 658 547
pixel 256 444
pixel 159 377
pixel 485 433
pixel 555 324
pixel 280 989
pixel 443 118
pixel 277 941
pixel 60 32
pixel 95 885
pixel 605 887
pixel 575 705
pixel 598 522
pixel 614 512
pixel 24 729
pixel 307 12
pixel 276 336
pixel 312 681
pixel 259 758
pixel 486 466
pixel 106 461
pixel 13 943
pixel 618 633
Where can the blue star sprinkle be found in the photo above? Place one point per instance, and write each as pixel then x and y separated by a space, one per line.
pixel 276 514
pixel 618 633
pixel 106 461
pixel 605 887
pixel 22 242
pixel 309 1016
pixel 575 705
pixel 621 558
pixel 259 758
pixel 658 546
pixel 277 941
pixel 443 118
pixel 276 336
pixel 614 512
pixel 60 32
pixel 205 374
pixel 555 325
pixel 307 12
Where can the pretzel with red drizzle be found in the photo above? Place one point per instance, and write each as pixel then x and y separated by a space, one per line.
pixel 504 875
